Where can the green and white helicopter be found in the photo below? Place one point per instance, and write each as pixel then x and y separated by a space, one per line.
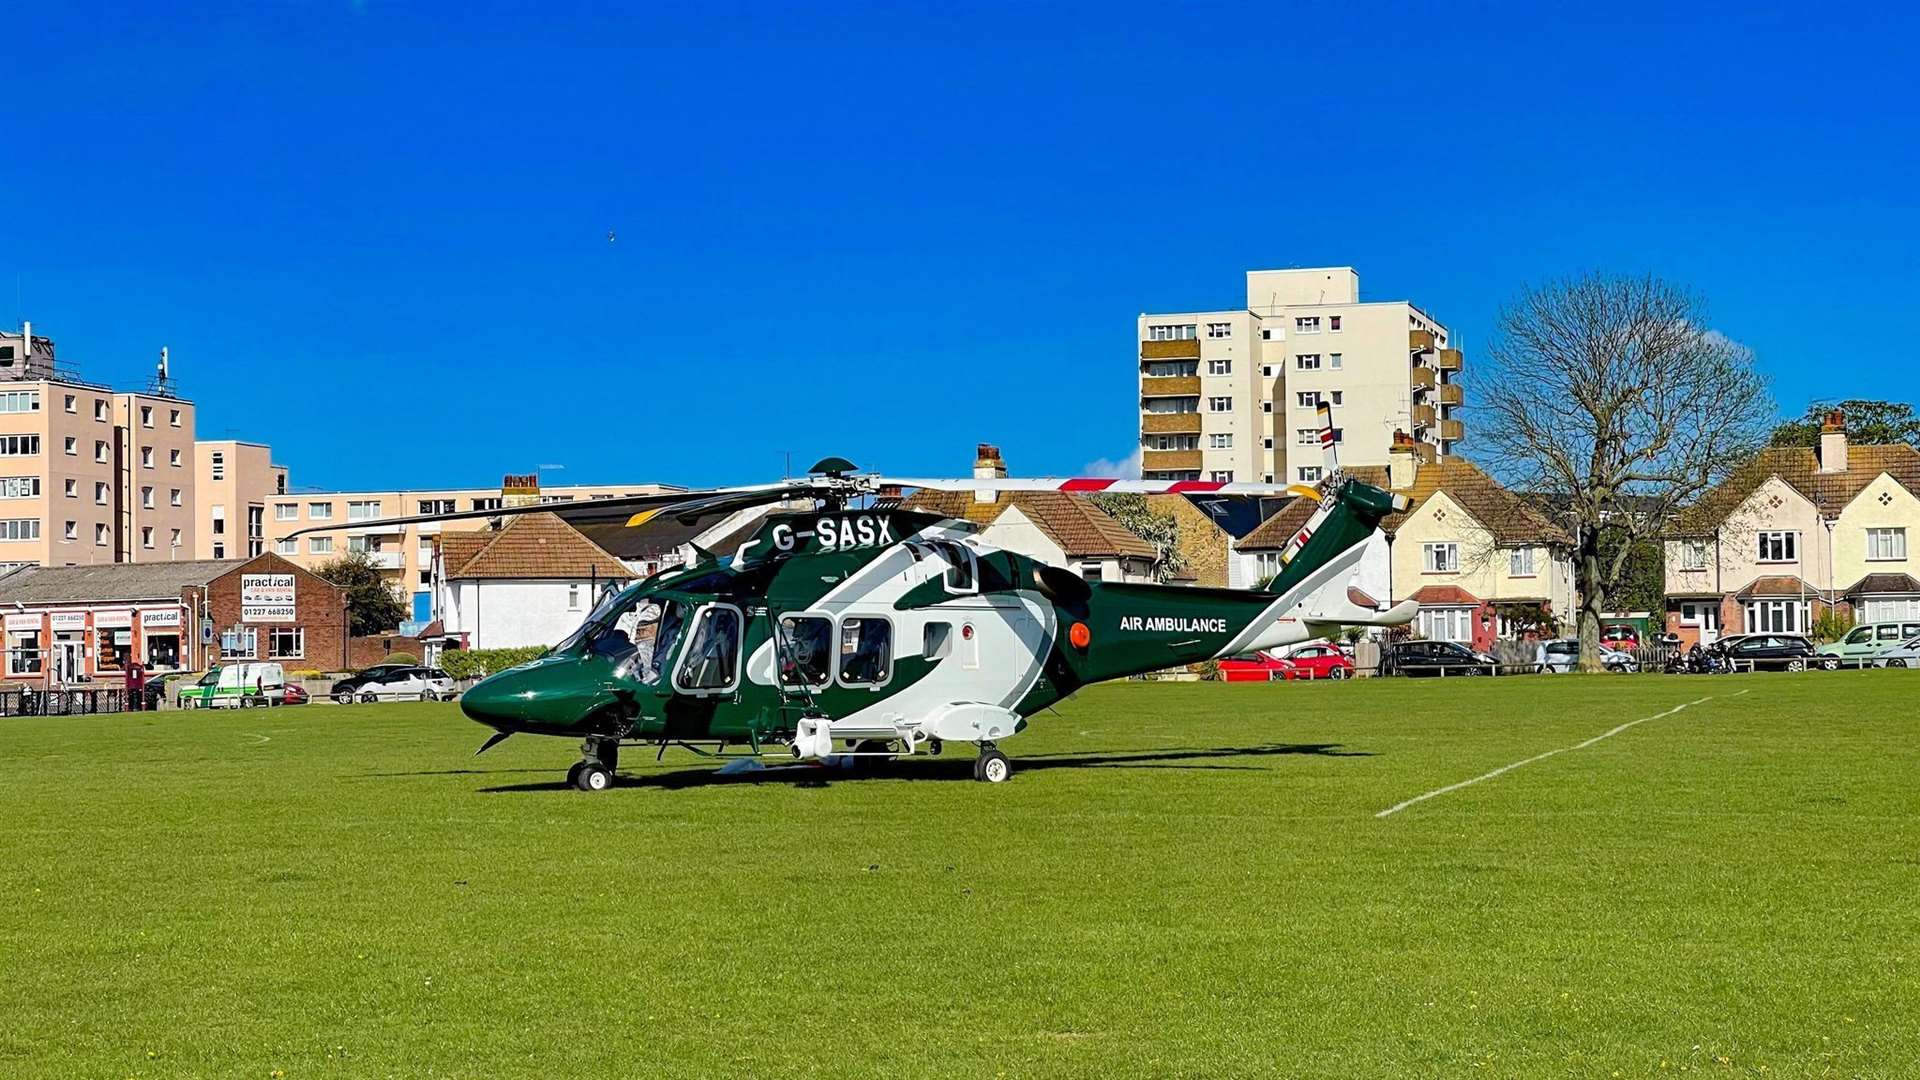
pixel 836 630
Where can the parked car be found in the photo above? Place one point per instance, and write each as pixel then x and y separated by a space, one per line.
pixel 1252 667
pixel 408 684
pixel 1561 656
pixel 348 688
pixel 1317 660
pixel 1434 658
pixel 1903 654
pixel 1620 637
pixel 1790 652
pixel 1865 642
pixel 239 685
pixel 296 694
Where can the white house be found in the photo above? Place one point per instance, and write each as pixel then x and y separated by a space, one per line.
pixel 530 582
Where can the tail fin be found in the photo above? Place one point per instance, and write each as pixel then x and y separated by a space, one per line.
pixel 1345 518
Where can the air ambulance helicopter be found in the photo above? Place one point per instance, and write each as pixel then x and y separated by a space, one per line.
pixel 886 632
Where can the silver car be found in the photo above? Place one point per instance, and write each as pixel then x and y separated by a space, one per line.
pixel 1562 655
pixel 1905 654
pixel 408 684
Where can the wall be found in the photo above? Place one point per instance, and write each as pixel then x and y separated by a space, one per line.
pixel 1733 556
pixel 507 613
pixel 1900 510
pixel 167 428
pixel 1203 544
pixel 1014 531
pixel 319 608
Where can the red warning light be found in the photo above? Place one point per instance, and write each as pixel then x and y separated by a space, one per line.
pixel 966 632
pixel 1079 635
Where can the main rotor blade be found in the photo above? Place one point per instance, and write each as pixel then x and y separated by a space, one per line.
pixel 661 499
pixel 1091 485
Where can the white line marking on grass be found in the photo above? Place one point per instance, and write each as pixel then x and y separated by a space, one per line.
pixel 1397 807
pixel 264 739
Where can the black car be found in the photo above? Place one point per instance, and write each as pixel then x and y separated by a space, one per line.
pixel 1789 652
pixel 348 688
pixel 1415 659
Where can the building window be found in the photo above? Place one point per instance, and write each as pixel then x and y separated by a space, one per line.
pixel 100 451
pixel 319 545
pixel 1440 558
pixel 1172 369
pixel 219 520
pixel 1223 476
pixel 146 537
pixel 486 504
pixel 573 598
pixel 556 498
pixel 241 644
pixel 175 540
pixel 286 643
pixel 1447 624
pixel 1220 404
pixel 362 543
pixel 1173 332
pixel 173 417
pixel 72 444
pixel 73 406
pixel 1267 478
pixel 1266 444
pixel 1882 544
pixel 286 546
pixel 1307 361
pixel 1333 324
pixel 1306 436
pixel 23 652
pixel 146 498
pixel 99 493
pixel 1335 395
pixel 1333 361
pixel 100 410
pixel 72 531
pixel 1221 441
pixel 101 534
pixel 363 509
pixel 1219 330
pixel 286 511
pixel 256 530
pixel 1704 614
pixel 1310 474
pixel 1520 562
pixel 73 489
pixel 146 457
pixel 1173 442
pixel 1154 405
pixel 1266 334
pixel 21 529
pixel 1693 555
pixel 20 487
pixel 1777 616
pixel 1266 406
pixel 1778 547
pixel 1308 399
pixel 20 401
pixel 219 463
pixel 219 551
pixel 436 506
pixel 320 511
pixel 1219 367
pixel 173 496
pixel 173 458
pixel 146 416
pixel 1308 324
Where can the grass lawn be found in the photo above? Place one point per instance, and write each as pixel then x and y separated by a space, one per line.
pixel 1179 880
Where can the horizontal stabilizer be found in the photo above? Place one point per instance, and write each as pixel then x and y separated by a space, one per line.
pixel 1347 613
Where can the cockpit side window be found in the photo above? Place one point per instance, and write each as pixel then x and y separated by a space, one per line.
pixel 711 663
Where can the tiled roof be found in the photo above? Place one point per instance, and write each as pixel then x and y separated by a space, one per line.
pixel 1776 585
pixel 1073 522
pixel 1883 583
pixel 110 581
pixel 1444 596
pixel 1799 468
pixel 1275 533
pixel 530 546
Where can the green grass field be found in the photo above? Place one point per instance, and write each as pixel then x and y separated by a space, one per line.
pixel 1179 880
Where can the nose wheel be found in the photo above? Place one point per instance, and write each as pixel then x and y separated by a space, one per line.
pixel 594 771
pixel 992 766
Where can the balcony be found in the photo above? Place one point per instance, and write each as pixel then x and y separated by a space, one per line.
pixel 1170 350
pixel 1418 341
pixel 1450 394
pixel 1424 416
pixel 1424 377
pixel 1426 452
pixel 384 560
pixel 1451 430
pixel 1449 360
pixel 1170 423
pixel 1170 386
pixel 1166 460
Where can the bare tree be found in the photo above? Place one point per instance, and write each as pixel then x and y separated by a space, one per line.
pixel 1612 397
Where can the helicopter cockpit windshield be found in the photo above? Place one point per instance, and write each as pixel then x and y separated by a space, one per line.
pixel 635 633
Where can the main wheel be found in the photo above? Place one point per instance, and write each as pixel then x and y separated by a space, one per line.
pixel 573 773
pixel 992 767
pixel 1830 665
pixel 593 777
pixel 344 697
pixel 1796 664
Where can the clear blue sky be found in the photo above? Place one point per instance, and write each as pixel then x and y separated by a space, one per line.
pixel 375 235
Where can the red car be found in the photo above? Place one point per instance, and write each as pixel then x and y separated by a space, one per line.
pixel 1317 660
pixel 1623 638
pixel 1254 667
pixel 297 694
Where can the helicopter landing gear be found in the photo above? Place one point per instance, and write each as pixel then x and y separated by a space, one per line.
pixel 992 766
pixel 594 771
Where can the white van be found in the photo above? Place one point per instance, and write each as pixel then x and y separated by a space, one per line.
pixel 240 686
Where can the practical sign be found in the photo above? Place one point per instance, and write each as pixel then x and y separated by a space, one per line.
pixel 266 598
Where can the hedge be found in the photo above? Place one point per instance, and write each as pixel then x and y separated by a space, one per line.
pixel 482 662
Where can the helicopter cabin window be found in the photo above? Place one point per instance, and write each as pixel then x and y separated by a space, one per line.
pixel 806 650
pixel 963 573
pixel 866 651
pixel 712 660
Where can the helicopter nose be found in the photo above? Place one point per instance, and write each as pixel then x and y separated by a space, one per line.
pixel 493 701
pixel 552 696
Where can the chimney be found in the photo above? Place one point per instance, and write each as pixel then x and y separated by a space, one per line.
pixel 1403 462
pixel 988 465
pixel 1833 442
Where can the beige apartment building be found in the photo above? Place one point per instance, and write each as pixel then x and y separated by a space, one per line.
pixel 235 481
pixel 1234 394
pixel 89 475
pixel 404 552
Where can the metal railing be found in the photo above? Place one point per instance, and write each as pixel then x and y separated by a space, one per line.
pixel 72 702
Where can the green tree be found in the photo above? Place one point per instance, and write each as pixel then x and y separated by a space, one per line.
pixel 1869 423
pixel 1160 530
pixel 371 606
